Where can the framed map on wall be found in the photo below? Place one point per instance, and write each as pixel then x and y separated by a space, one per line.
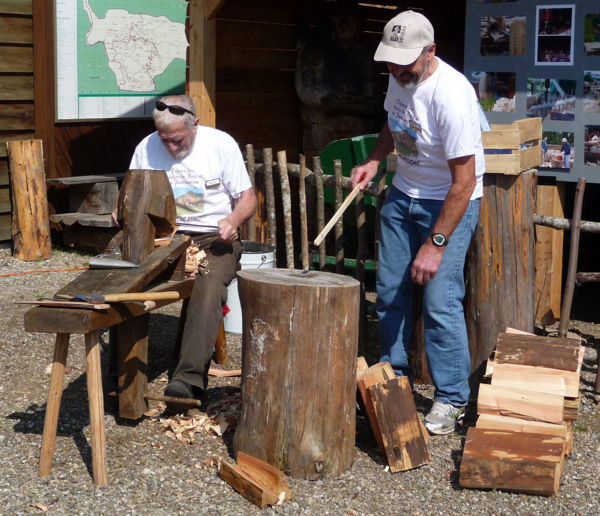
pixel 114 57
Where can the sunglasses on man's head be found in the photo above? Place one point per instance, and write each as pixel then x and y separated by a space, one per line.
pixel 175 110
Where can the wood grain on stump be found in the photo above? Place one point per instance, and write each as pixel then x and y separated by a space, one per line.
pixel 299 347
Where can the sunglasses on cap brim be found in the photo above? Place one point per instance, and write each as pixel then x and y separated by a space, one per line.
pixel 175 110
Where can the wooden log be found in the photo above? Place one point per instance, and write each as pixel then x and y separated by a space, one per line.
pixel 98 198
pixel 504 401
pixel 401 431
pixel 146 210
pixel 299 346
pixel 538 351
pixel 500 265
pixel 512 461
pixel 55 391
pixel 132 349
pixel 585 226
pixel 286 201
pixel 30 223
pixel 535 379
pixel 256 480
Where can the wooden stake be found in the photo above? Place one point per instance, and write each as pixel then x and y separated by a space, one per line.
pixel 286 200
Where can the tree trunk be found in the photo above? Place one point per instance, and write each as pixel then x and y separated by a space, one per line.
pixel 500 265
pixel 300 339
pixel 30 224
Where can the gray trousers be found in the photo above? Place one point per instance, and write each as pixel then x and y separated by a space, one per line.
pixel 205 309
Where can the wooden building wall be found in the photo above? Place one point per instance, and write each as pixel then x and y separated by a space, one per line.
pixel 16 90
pixel 255 98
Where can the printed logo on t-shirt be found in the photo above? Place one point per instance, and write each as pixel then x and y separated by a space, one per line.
pixel 188 190
pixel 405 132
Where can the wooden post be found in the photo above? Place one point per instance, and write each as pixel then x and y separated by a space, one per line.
pixel 299 348
pixel 286 201
pixel 500 265
pixel 30 222
pixel 146 210
pixel 55 391
pixel 270 199
pixel 251 166
pixel 303 216
pixel 320 208
pixel 339 225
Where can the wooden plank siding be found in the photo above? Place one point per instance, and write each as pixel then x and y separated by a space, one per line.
pixel 16 91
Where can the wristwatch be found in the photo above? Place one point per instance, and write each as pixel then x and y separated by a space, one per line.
pixel 439 240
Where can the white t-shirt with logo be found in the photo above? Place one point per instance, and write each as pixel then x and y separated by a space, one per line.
pixel 435 122
pixel 205 182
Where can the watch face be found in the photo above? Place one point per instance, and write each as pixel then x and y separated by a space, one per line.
pixel 439 239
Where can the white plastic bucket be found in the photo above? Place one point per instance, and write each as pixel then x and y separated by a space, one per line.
pixel 255 255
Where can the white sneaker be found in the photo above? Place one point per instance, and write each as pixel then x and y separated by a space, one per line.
pixel 443 418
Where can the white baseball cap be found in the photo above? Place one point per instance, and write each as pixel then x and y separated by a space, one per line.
pixel 404 37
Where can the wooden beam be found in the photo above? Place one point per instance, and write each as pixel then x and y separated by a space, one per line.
pixel 202 59
pixel 43 80
pixel 212 7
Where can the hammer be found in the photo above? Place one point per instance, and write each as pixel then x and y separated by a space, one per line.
pixel 125 297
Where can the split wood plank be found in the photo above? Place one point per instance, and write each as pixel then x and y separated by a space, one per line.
pixel 513 424
pixel 512 461
pixel 536 379
pixel 257 481
pixel 504 401
pixel 534 350
pixel 571 408
pixel 367 376
pixel 401 431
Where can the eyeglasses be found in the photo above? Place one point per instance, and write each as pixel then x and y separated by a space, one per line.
pixel 175 110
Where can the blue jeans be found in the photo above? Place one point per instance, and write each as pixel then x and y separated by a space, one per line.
pixel 405 225
pixel 566 159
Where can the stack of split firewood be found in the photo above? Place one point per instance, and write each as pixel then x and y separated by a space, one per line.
pixel 523 432
pixel 390 406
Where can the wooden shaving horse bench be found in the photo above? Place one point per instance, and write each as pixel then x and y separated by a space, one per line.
pixel 164 268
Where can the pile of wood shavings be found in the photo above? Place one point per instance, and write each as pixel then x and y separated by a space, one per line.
pixel 221 416
pixel 195 261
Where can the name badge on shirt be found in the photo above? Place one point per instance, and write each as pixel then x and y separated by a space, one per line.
pixel 415 126
pixel 212 183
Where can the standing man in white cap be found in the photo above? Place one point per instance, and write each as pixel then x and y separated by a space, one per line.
pixel 565 152
pixel 431 210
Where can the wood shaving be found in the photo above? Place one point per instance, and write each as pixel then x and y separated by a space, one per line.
pixel 220 417
pixel 195 261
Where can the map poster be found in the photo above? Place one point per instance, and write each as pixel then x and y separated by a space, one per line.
pixel 115 57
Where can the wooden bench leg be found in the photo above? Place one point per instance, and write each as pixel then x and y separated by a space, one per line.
pixel 133 366
pixel 96 407
pixel 55 391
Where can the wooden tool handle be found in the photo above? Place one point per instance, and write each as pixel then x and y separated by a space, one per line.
pixel 337 214
pixel 141 296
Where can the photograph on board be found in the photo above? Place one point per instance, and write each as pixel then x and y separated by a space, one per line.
pixel 495 90
pixel 502 35
pixel 591 146
pixel 552 99
pixel 554 35
pixel 557 150
pixel 591 35
pixel 591 91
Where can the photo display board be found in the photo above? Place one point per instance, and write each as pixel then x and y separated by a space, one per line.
pixel 541 59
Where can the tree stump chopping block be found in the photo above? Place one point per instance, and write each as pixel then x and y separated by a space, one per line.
pixel 299 347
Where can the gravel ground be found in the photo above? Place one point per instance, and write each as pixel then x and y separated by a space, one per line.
pixel 150 473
